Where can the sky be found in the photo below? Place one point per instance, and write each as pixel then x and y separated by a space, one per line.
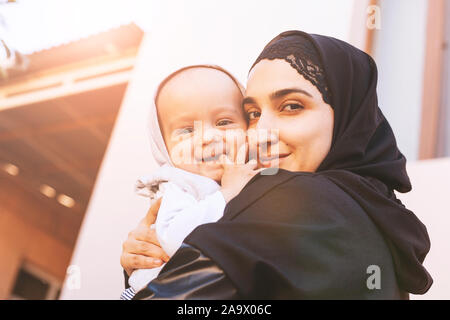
pixel 31 25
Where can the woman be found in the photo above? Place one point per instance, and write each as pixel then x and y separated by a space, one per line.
pixel 317 228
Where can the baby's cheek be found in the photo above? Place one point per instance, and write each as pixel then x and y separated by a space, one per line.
pixel 181 152
pixel 212 173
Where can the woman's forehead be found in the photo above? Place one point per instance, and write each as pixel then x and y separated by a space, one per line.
pixel 269 76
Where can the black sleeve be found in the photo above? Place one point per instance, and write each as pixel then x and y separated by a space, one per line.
pixel 190 275
pixel 126 279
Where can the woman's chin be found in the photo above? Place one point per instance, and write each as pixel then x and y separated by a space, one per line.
pixel 281 162
pixel 270 164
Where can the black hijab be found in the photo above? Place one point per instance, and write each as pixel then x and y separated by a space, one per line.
pixel 364 159
pixel 363 142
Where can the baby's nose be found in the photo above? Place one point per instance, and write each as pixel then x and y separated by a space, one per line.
pixel 211 135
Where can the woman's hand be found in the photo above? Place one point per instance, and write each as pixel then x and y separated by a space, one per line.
pixel 142 250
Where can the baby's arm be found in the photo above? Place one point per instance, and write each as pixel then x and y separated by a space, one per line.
pixel 180 213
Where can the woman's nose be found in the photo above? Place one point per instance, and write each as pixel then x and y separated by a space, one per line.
pixel 265 121
pixel 267 140
pixel 267 130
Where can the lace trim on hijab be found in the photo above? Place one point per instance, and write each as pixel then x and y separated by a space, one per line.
pixel 303 57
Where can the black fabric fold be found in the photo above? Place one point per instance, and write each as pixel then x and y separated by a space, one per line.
pixel 190 275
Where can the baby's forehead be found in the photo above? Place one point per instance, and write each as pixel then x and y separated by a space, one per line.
pixel 198 93
pixel 200 78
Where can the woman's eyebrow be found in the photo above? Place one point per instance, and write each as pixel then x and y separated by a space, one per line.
pixel 283 92
pixel 277 94
pixel 248 100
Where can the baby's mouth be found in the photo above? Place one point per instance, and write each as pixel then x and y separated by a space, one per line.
pixel 212 158
pixel 208 157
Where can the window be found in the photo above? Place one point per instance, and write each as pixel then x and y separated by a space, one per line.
pixel 34 284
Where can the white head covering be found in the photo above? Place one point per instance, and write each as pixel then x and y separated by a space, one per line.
pixel 157 144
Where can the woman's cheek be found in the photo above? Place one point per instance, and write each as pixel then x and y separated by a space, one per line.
pixel 295 132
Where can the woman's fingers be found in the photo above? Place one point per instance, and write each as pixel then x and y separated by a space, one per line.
pixel 146 234
pixel 138 247
pixel 130 262
pixel 152 213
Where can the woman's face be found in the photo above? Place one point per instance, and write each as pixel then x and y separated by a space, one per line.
pixel 278 97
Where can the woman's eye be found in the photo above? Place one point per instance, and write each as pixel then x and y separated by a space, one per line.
pixel 253 115
pixel 223 122
pixel 292 107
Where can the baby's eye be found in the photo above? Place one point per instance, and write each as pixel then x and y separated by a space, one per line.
pixel 253 115
pixel 186 130
pixel 223 122
pixel 292 107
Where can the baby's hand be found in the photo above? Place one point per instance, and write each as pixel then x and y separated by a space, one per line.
pixel 236 176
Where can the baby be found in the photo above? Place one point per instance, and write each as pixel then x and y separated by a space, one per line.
pixel 196 122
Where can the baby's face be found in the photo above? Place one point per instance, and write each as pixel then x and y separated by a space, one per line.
pixel 199 111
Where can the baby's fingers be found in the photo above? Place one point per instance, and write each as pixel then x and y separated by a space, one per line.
pixel 252 164
pixel 242 154
pixel 225 160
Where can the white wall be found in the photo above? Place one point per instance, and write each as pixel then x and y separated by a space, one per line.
pixel 229 33
pixel 400 52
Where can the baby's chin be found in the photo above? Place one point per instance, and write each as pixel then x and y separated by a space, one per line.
pixel 206 169
pixel 214 172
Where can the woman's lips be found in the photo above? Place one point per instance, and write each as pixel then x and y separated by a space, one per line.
pixel 272 160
